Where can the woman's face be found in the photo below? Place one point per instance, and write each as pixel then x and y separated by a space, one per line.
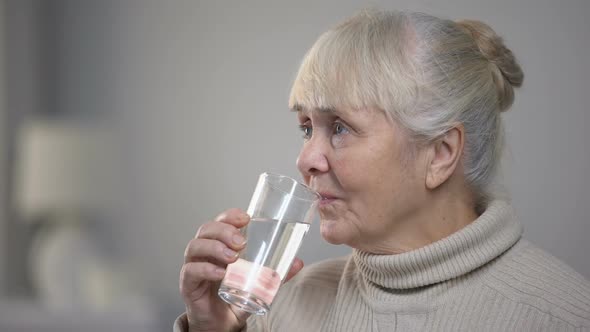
pixel 361 164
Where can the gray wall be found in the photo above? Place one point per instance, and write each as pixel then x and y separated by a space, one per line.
pixel 3 177
pixel 28 61
pixel 197 91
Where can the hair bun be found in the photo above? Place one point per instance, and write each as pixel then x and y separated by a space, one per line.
pixel 506 71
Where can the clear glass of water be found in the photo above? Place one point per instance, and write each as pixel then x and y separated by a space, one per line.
pixel 281 211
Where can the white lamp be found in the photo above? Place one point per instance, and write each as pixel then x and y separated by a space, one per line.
pixel 63 175
pixel 61 166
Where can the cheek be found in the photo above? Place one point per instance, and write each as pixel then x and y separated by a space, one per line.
pixel 350 173
pixel 341 166
pixel 382 182
pixel 361 170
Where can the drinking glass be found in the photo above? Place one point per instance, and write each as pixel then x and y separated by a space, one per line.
pixel 281 211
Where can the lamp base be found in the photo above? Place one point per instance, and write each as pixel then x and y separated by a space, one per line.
pixel 67 270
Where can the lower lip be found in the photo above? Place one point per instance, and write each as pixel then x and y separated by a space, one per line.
pixel 326 201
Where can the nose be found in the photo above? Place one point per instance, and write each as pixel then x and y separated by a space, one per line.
pixel 312 159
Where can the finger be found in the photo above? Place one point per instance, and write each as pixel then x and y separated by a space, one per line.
pixel 240 314
pixel 295 268
pixel 236 217
pixel 226 233
pixel 208 250
pixel 192 274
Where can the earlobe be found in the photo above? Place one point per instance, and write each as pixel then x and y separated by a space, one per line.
pixel 446 154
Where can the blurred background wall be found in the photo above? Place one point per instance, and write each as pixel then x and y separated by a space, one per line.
pixel 3 156
pixel 192 96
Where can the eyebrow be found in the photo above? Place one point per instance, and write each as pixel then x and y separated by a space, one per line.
pixel 299 108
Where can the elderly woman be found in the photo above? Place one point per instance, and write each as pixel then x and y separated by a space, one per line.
pixel 401 118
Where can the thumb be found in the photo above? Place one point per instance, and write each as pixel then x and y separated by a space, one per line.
pixel 295 268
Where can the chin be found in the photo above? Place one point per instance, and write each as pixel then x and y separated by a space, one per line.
pixel 331 232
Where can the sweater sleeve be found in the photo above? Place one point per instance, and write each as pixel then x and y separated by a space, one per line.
pixel 181 325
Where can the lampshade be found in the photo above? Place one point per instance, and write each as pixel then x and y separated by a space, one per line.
pixel 60 166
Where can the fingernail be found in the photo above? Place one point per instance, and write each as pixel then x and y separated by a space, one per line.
pixel 220 272
pixel 239 239
pixel 230 253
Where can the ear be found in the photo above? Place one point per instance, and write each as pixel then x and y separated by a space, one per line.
pixel 445 155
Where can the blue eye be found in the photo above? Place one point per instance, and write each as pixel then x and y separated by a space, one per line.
pixel 339 129
pixel 307 131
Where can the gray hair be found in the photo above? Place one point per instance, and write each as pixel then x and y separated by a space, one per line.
pixel 428 74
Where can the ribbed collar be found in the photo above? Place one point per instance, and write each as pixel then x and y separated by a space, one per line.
pixel 494 232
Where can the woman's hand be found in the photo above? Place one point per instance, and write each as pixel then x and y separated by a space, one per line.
pixel 216 244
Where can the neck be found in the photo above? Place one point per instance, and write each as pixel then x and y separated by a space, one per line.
pixel 445 211
pixel 476 244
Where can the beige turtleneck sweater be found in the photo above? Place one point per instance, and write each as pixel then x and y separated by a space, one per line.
pixel 481 278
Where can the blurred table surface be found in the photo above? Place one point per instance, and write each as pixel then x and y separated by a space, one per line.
pixel 19 315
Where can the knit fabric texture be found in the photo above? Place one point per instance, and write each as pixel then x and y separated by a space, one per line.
pixel 482 278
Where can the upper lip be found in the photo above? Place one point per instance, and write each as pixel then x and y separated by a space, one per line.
pixel 326 195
